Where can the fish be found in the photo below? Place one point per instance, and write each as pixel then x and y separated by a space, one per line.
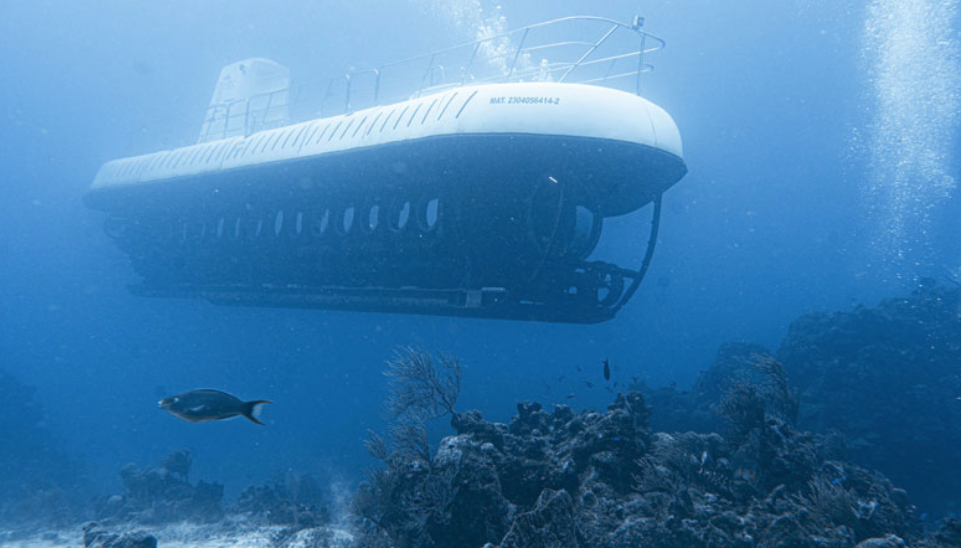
pixel 607 369
pixel 589 384
pixel 206 405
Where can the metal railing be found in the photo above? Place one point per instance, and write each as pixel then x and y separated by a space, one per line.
pixel 243 117
pixel 578 49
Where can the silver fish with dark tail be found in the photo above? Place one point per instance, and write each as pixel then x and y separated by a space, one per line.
pixel 206 405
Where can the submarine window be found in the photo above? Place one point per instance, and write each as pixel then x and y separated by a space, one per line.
pixel 449 101
pixel 254 228
pixel 322 133
pixel 389 114
pixel 373 218
pixel 373 123
pixel 278 222
pixel 334 132
pixel 346 129
pixel 354 134
pixel 318 225
pixel 402 216
pixel 426 114
pixel 586 231
pixel 297 138
pixel 347 221
pixel 238 229
pixel 297 227
pixel 401 116
pixel 310 135
pixel 431 213
pixel 413 114
pixel 220 228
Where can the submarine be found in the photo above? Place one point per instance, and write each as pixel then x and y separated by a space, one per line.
pixel 472 181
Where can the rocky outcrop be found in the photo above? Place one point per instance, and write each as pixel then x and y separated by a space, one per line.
pixel 602 479
pixel 163 494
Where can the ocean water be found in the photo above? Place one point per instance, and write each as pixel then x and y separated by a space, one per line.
pixel 821 140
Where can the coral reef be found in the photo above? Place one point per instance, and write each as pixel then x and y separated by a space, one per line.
pixel 604 479
pixel 879 386
pixel 887 377
pixel 164 494
pixel 291 499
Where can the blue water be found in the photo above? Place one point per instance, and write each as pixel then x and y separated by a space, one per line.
pixel 822 161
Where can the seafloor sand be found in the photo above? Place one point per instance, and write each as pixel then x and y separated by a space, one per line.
pixel 228 534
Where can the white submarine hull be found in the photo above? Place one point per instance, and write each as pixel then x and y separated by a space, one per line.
pixel 504 115
pixel 475 200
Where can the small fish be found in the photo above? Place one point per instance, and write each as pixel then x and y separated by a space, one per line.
pixel 579 370
pixel 589 384
pixel 211 405
pixel 570 396
pixel 607 369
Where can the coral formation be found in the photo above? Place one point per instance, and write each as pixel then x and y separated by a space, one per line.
pixel 887 377
pixel 879 386
pixel 604 479
pixel 164 494
pixel 291 499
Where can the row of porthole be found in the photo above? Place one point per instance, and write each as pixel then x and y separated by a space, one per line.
pixel 347 221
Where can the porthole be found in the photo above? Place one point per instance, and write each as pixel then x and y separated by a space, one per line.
pixel 400 217
pixel 431 213
pixel 373 218
pixel 278 222
pixel 220 228
pixel 586 231
pixel 319 222
pixel 296 228
pixel 347 220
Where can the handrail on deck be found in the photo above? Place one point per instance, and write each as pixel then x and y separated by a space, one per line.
pixel 615 54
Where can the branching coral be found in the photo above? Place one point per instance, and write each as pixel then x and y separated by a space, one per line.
pixel 742 406
pixel 781 399
pixel 420 389
pixel 402 500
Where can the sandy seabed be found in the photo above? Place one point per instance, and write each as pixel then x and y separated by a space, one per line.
pixel 231 533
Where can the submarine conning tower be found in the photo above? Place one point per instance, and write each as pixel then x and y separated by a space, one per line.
pixel 481 190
